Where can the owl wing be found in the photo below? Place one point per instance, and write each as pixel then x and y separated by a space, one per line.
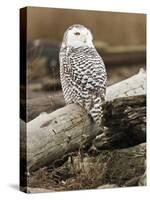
pixel 88 76
pixel 88 72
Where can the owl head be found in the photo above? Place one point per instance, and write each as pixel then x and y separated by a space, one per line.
pixel 77 35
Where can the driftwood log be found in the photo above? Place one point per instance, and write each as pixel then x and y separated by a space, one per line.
pixel 50 137
pixel 125 123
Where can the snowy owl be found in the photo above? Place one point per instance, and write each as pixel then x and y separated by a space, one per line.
pixel 82 72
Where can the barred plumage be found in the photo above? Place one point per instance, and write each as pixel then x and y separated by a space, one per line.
pixel 82 72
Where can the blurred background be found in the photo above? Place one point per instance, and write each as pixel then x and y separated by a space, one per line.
pixel 110 27
pixel 120 38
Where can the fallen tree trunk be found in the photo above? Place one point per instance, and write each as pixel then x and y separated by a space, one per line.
pixel 51 136
pixel 135 85
pixel 125 123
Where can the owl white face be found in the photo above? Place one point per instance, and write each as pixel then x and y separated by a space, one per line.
pixel 77 36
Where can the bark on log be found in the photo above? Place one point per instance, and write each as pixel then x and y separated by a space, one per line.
pixel 51 136
pixel 135 85
pixel 125 123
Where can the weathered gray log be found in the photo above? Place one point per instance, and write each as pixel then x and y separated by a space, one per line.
pixel 125 118
pixel 125 123
pixel 51 136
pixel 135 85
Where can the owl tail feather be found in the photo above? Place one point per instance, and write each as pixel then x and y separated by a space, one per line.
pixel 96 112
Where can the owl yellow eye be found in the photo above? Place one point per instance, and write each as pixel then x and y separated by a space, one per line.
pixel 77 33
